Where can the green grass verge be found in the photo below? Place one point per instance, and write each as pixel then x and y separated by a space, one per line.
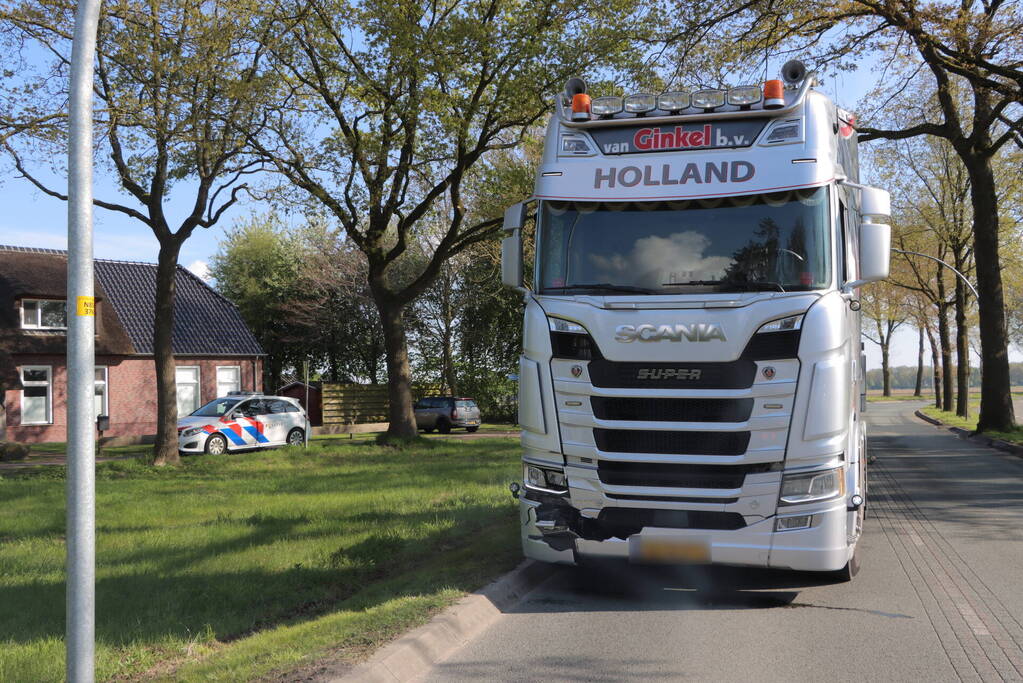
pixel 970 423
pixel 250 565
pixel 878 398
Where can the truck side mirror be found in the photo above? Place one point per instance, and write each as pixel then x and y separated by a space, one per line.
pixel 511 246
pixel 875 203
pixel 875 252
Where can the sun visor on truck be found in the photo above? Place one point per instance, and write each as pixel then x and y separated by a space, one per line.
pixel 719 134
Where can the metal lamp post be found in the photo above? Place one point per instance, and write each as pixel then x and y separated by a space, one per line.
pixel 935 258
pixel 81 361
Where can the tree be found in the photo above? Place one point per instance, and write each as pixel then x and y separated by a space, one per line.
pixel 393 106
pixel 175 84
pixel 934 217
pixel 883 305
pixel 971 47
pixel 256 266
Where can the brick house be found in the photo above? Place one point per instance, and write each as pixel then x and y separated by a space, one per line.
pixel 214 350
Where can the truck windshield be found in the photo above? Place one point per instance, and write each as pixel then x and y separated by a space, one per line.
pixel 772 242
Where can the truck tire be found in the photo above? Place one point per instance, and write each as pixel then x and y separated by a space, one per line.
pixel 851 568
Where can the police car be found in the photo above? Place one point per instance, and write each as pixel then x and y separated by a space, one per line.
pixel 241 421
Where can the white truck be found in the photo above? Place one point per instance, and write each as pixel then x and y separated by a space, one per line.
pixel 691 385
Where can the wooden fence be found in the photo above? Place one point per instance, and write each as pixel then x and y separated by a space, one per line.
pixel 354 404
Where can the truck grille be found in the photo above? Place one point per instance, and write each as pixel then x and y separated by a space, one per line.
pixel 675 475
pixel 680 443
pixel 737 374
pixel 673 409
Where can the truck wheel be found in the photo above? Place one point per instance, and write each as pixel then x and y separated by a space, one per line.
pixel 444 427
pixel 216 445
pixel 851 568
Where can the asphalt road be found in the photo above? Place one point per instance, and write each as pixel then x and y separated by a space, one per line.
pixel 939 596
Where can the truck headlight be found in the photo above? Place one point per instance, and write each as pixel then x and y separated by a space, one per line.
pixel 812 487
pixel 191 431
pixel 545 479
pixel 562 325
pixel 789 324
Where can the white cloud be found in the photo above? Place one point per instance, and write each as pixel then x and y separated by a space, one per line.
pixel 201 269
pixel 655 260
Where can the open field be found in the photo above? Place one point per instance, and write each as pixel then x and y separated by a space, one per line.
pixel 250 565
pixel 875 396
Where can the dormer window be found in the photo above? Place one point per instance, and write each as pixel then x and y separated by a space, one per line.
pixel 43 314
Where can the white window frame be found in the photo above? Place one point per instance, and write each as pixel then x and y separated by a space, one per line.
pixel 49 392
pixel 106 389
pixel 237 368
pixel 39 315
pixel 198 384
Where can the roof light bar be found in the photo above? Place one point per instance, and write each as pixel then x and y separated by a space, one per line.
pixel 640 103
pixel 673 101
pixel 606 106
pixel 744 95
pixel 709 99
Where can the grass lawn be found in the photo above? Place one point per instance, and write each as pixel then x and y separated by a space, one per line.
pixel 879 398
pixel 970 423
pixel 249 565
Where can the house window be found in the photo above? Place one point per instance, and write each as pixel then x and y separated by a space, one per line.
pixel 100 399
pixel 229 378
pixel 36 395
pixel 43 314
pixel 187 379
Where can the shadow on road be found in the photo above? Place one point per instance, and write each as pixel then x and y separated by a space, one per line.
pixel 619 585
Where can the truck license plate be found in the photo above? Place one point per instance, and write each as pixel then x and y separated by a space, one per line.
pixel 669 551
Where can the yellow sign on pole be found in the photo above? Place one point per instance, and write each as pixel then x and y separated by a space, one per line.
pixel 87 305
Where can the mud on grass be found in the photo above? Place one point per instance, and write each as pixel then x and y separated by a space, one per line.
pixel 251 565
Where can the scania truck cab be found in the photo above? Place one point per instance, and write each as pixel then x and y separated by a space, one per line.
pixel 691 382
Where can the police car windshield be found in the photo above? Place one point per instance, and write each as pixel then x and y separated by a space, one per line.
pixel 771 242
pixel 216 407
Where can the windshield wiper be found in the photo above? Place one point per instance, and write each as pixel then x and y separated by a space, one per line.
pixel 755 285
pixel 602 285
pixel 750 286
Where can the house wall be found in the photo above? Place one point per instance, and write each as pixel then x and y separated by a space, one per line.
pixel 131 391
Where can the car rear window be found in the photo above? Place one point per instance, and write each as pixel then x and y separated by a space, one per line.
pixel 466 404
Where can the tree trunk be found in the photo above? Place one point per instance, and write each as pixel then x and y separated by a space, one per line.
pixel 165 451
pixel 918 389
pixel 962 350
pixel 399 375
pixel 946 355
pixel 996 412
pixel 886 378
pixel 935 367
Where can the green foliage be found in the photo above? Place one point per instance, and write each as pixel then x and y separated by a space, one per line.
pixel 238 566
pixel 256 267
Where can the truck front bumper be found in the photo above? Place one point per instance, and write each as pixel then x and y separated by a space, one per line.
pixel 824 546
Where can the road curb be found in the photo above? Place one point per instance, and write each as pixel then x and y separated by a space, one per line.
pixel 998 444
pixel 420 649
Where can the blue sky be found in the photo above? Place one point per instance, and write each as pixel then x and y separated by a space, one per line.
pixel 31 218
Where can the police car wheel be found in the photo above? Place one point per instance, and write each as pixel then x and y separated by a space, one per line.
pixel 296 437
pixel 216 445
